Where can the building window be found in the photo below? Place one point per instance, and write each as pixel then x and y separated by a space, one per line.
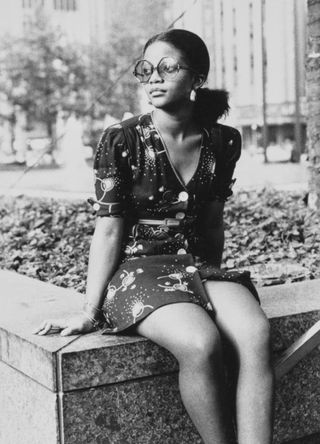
pixel 234 22
pixel 28 4
pixel 65 5
pixel 234 47
pixel 251 44
pixel 27 24
pixel 223 61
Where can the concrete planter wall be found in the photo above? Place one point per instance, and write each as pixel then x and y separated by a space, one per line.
pixel 123 389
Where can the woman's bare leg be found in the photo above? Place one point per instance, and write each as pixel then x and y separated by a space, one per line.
pixel 243 323
pixel 188 332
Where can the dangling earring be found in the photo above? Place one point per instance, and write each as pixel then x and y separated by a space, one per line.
pixel 193 95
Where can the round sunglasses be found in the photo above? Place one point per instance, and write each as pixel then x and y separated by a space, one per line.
pixel 167 69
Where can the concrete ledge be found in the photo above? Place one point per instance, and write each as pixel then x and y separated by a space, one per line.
pixel 106 389
pixel 24 303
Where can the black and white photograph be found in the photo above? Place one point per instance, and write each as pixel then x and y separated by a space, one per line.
pixel 159 221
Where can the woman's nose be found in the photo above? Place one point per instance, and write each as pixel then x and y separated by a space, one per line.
pixel 155 77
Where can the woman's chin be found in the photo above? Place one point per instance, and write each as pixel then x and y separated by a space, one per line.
pixel 166 105
pixel 158 102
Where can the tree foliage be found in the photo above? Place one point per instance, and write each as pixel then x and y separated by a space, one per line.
pixel 40 73
pixel 113 87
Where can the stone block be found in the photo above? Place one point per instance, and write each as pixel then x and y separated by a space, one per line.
pixel 311 439
pixel 25 303
pixel 297 409
pixel 285 330
pixel 123 389
pixel 28 410
pixel 112 359
pixel 140 412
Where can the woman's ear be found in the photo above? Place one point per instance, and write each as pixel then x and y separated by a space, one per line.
pixel 199 80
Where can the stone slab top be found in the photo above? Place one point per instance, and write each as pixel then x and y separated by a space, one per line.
pixel 289 299
pixel 26 302
pixel 54 360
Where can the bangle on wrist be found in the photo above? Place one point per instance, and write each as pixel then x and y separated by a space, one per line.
pixel 92 307
pixel 96 323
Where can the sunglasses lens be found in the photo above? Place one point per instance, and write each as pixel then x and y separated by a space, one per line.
pixel 168 68
pixel 143 71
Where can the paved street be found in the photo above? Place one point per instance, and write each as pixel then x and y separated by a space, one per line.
pixel 251 172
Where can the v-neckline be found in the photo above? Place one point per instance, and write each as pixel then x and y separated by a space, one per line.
pixel 185 185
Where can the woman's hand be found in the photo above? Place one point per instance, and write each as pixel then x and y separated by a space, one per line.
pixel 68 326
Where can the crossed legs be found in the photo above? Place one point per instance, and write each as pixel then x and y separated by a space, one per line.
pixel 189 333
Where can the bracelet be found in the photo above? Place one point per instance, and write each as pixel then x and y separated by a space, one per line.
pixel 88 304
pixel 95 323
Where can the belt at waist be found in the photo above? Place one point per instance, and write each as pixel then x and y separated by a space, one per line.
pixel 169 222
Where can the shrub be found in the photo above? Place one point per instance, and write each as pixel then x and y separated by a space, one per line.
pixel 49 239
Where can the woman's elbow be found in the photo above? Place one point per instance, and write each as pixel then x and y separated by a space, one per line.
pixel 110 227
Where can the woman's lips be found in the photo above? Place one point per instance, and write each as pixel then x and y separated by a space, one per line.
pixel 157 92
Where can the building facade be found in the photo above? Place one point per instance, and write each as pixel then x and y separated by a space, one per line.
pixel 232 30
pixel 77 19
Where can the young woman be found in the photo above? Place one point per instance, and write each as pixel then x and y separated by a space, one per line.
pixel 162 179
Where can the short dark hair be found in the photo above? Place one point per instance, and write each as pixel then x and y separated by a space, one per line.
pixel 191 46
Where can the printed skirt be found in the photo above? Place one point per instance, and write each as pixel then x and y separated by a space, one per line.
pixel 143 284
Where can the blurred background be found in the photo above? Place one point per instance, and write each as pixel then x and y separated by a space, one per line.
pixel 66 74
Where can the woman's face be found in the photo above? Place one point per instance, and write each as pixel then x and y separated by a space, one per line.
pixel 171 93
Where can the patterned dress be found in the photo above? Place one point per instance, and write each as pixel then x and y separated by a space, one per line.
pixel 161 260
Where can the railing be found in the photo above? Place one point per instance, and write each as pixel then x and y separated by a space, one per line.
pixel 298 350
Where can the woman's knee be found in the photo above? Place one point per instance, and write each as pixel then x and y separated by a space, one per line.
pixel 186 330
pixel 255 338
pixel 201 348
pixel 239 315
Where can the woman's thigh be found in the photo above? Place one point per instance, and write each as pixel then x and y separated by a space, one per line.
pixel 182 328
pixel 239 316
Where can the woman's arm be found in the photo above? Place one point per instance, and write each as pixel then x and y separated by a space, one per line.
pixel 212 229
pixel 103 259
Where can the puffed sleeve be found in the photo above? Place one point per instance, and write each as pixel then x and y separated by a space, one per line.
pixel 112 174
pixel 227 157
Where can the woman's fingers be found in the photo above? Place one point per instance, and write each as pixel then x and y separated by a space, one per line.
pixel 50 326
pixel 41 326
pixel 47 328
pixel 70 326
pixel 75 326
pixel 67 331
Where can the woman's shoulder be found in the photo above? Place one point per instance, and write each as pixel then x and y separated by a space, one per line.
pixel 125 130
pixel 226 141
pixel 228 132
pixel 128 124
pixel 229 135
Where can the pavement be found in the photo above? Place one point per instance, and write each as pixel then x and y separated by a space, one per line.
pixel 77 181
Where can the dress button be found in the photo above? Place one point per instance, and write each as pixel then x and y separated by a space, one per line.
pixel 180 215
pixel 183 196
pixel 96 206
pixel 181 251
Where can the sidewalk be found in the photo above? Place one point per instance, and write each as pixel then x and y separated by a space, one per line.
pixel 251 173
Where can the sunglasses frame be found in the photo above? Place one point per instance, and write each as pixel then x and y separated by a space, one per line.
pixel 158 71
